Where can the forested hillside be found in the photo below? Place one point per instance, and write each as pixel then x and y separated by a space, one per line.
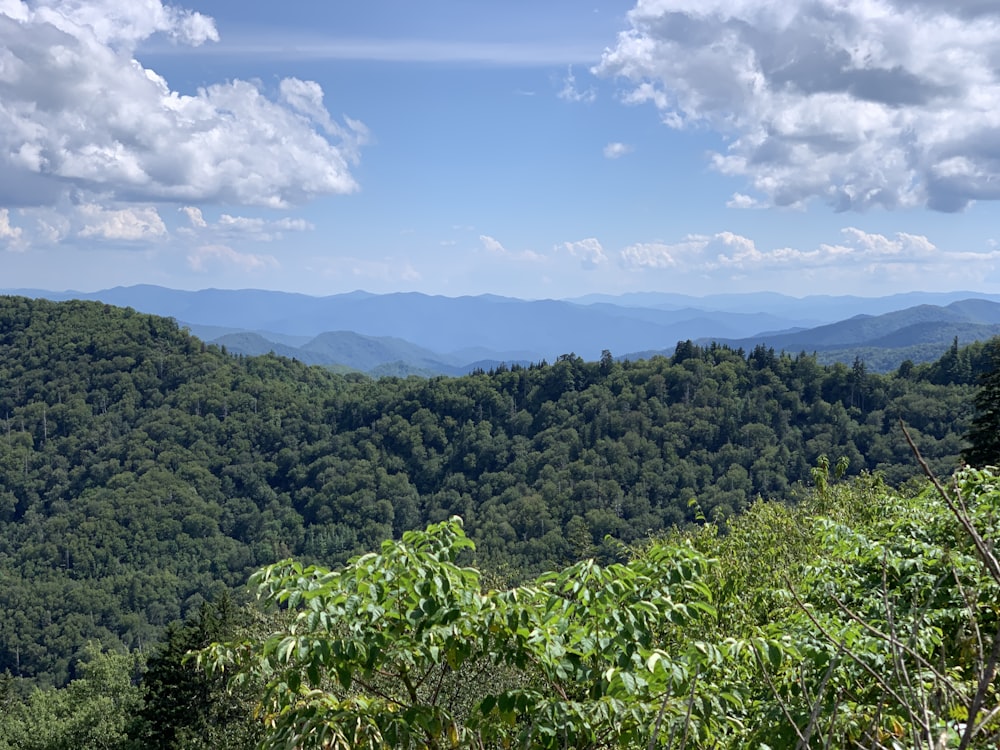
pixel 858 617
pixel 142 471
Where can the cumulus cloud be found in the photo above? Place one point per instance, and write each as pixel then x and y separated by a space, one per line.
pixel 739 200
pixel 616 150
pixel 194 216
pixel 132 224
pixel 588 251
pixel 660 254
pixel 570 93
pixel 10 234
pixel 123 23
pixel 206 257
pixel 78 112
pixel 858 103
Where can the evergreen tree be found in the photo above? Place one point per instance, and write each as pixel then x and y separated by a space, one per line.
pixel 185 707
pixel 984 434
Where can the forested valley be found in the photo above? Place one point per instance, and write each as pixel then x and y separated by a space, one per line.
pixel 144 476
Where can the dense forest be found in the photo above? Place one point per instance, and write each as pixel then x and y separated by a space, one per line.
pixel 144 473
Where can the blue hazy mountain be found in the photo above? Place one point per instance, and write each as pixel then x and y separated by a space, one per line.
pixel 818 308
pixel 968 319
pixel 535 328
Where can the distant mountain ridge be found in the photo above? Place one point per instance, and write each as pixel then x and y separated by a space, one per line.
pixel 920 333
pixel 967 319
pixel 417 333
pixel 346 348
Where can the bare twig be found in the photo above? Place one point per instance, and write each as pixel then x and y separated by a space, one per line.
pixel 777 697
pixel 818 702
pixel 690 706
pixel 840 644
pixel 958 509
pixel 900 664
pixel 659 716
pixel 992 565
pixel 985 680
pixel 888 638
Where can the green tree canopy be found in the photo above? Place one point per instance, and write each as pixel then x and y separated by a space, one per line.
pixel 984 434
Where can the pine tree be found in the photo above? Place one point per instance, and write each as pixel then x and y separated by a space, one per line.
pixel 186 708
pixel 984 434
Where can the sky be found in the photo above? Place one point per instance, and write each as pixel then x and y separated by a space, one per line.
pixel 527 148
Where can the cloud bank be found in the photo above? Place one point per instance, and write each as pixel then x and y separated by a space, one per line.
pixel 857 249
pixel 859 103
pixel 79 114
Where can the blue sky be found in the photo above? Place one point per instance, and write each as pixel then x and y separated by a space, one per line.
pixel 531 149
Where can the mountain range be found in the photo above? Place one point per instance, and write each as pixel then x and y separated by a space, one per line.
pixel 407 333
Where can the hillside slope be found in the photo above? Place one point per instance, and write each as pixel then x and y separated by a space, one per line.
pixel 141 470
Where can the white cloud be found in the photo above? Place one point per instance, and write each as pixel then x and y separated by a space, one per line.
pixel 125 23
pixel 660 254
pixel 78 112
pixel 616 150
pixel 14 9
pixel 588 251
pixel 493 245
pixel 194 216
pixel 859 103
pixel 294 225
pixel 729 249
pixel 495 248
pixel 570 93
pixel 88 220
pixel 243 227
pixel 140 223
pixel 51 227
pixel 306 98
pixel 205 257
pixel 734 252
pixel 903 245
pixel 241 224
pixel 11 234
pixel 739 200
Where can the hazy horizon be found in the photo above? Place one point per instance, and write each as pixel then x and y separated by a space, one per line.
pixel 585 296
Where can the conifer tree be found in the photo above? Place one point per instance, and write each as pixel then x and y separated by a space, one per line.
pixel 184 707
pixel 984 434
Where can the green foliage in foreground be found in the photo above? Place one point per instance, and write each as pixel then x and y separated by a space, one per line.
pixel 883 633
pixel 404 649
